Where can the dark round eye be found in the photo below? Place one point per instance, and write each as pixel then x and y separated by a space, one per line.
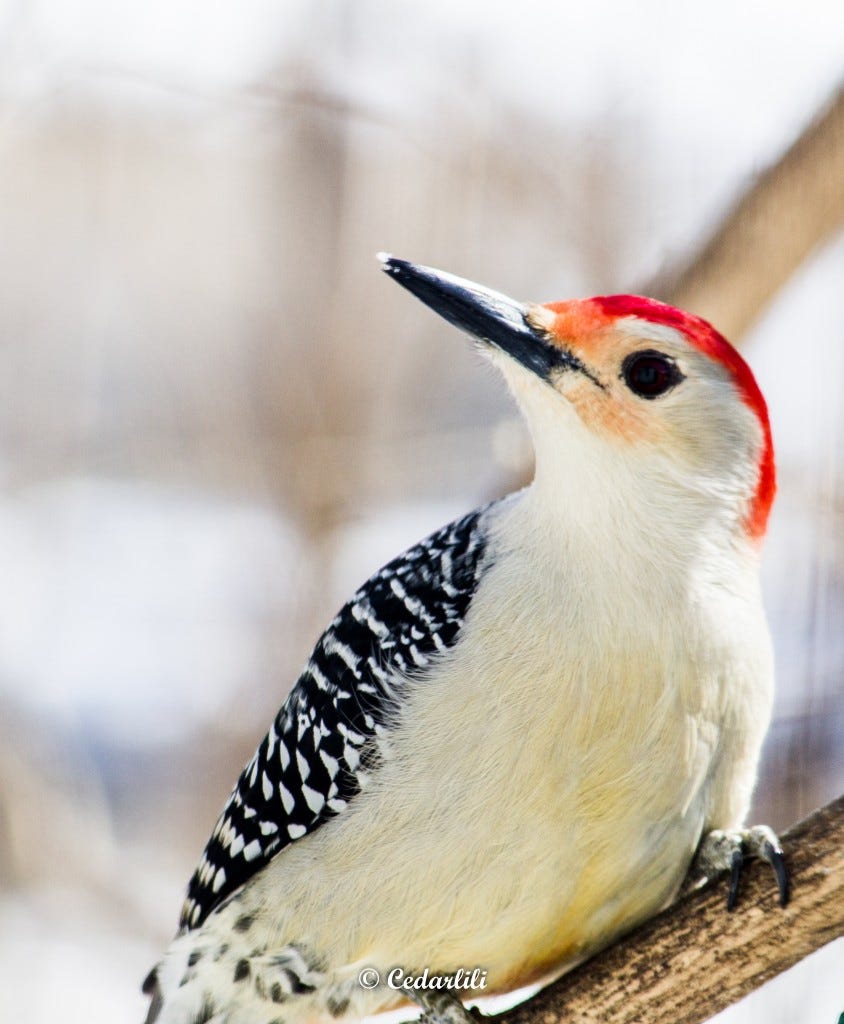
pixel 650 374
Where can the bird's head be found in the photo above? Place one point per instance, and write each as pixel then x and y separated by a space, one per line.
pixel 627 386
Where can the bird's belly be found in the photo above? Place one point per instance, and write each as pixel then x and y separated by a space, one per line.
pixel 531 828
pixel 515 872
pixel 619 884
pixel 584 835
pixel 530 913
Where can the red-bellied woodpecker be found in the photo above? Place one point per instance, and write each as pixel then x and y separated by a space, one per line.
pixel 507 747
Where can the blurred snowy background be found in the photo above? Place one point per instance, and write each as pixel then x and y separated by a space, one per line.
pixel 217 417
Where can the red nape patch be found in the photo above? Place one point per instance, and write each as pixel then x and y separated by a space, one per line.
pixel 706 339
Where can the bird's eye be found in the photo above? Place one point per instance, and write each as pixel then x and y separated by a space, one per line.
pixel 650 374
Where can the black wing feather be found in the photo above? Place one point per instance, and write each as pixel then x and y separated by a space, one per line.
pixel 323 739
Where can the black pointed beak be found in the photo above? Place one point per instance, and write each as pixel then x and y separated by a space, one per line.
pixel 487 315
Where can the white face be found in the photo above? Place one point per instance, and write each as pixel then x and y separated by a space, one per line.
pixel 643 392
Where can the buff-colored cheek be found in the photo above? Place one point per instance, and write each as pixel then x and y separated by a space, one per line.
pixel 607 415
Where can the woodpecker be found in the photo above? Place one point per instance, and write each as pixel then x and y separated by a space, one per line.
pixel 513 741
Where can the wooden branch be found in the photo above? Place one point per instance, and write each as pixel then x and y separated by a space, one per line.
pixel 788 211
pixel 694 959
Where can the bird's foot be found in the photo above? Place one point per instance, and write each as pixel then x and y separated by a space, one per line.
pixel 726 851
pixel 442 1007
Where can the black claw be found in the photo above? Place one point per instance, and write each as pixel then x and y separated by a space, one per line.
pixel 777 861
pixel 736 862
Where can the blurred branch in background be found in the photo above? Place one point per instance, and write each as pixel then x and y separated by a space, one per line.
pixel 790 210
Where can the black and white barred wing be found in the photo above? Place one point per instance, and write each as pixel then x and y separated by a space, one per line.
pixel 310 763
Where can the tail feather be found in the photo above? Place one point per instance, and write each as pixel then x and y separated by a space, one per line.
pixel 151 988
